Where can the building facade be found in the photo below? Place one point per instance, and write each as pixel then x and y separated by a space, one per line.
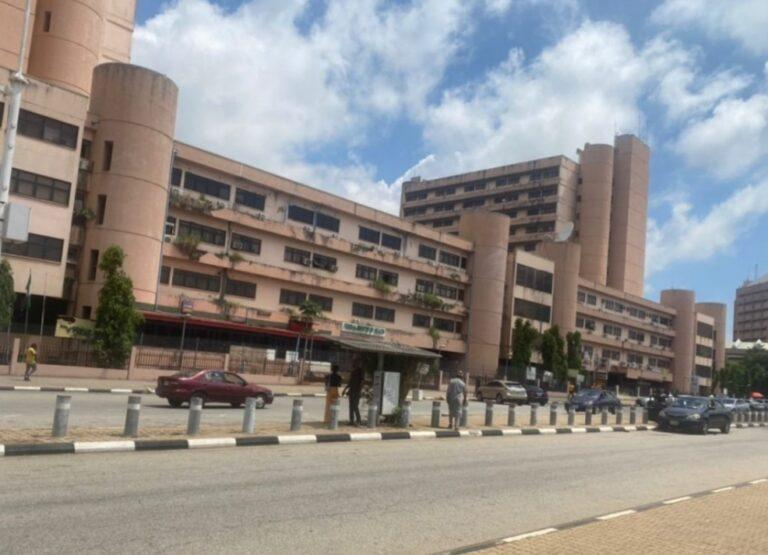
pixel 750 311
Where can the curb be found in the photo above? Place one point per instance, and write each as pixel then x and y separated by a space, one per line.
pixel 78 447
pixel 591 520
pixel 61 389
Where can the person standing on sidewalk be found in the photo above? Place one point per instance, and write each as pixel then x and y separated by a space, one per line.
pixel 332 391
pixel 354 389
pixel 30 357
pixel 456 395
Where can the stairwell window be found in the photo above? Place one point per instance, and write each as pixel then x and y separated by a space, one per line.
pixel 108 148
pixel 101 208
pixel 93 264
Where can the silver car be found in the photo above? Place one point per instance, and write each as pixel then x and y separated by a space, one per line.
pixel 503 392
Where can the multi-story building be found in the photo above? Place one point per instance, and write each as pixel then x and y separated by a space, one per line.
pixel 750 311
pixel 231 251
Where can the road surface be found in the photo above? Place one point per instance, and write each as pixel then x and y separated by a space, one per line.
pixel 383 497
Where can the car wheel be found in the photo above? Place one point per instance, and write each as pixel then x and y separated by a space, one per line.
pixel 726 429
pixel 612 410
pixel 703 427
pixel 542 402
pixel 175 403
pixel 201 396
pixel 479 395
pixel 261 402
pixel 499 399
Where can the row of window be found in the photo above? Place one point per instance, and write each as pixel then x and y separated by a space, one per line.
pixel 297 298
pixel 424 286
pixel 218 189
pixel 446 257
pixel 380 238
pixel 47 129
pixel 705 330
pixel 313 218
pixel 206 282
pixel 306 258
pixel 532 278
pixel 37 246
pixel 704 351
pixel 372 274
pixel 36 186
pixel 370 311
pixel 440 324
pixel 531 310
pixel 616 331
pixel 621 308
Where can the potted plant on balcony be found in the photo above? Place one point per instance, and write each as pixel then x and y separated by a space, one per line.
pixel 309 311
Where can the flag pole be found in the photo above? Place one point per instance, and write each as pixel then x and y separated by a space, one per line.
pixel 42 315
pixel 28 303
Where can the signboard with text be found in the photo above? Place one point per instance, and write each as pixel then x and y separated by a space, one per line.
pixel 362 329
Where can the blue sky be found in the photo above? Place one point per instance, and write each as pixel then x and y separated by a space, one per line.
pixel 354 96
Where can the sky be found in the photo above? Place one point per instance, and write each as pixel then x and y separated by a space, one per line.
pixel 356 96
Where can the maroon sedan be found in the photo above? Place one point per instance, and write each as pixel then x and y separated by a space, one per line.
pixel 213 386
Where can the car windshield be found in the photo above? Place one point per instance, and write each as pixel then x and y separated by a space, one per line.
pixel 511 384
pixel 588 393
pixel 690 403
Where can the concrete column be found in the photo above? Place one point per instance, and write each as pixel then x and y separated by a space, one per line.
pixel 296 414
pixel 435 414
pixel 511 415
pixel 719 312
pixel 61 415
pixel 683 301
pixel 249 415
pixel 489 413
pixel 194 416
pixel 595 220
pixel 131 428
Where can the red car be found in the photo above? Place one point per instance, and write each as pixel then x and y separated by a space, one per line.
pixel 213 386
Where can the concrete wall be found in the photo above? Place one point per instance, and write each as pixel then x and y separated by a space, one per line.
pixel 595 211
pixel 11 25
pixel 684 303
pixel 566 257
pixel 719 313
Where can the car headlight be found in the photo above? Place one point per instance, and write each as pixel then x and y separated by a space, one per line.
pixel 696 416
pixel 588 403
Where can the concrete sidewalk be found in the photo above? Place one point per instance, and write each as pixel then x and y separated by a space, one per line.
pixel 727 520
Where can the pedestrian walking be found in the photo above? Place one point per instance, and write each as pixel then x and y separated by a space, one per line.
pixel 457 398
pixel 332 391
pixel 30 357
pixel 571 390
pixel 354 389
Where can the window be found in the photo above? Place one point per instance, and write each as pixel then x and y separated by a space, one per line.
pixel 444 325
pixel 417 195
pixel 611 330
pixel 638 336
pixel 165 275
pixel 206 186
pixel 298 256
pixel 446 291
pixel 390 278
pixel 533 278
pixel 531 310
pixel 324 262
pixel 418 211
pixel 47 129
pixel 365 272
pixel 295 298
pixel 195 280
pixel 391 241
pixel 249 199
pixel 385 314
pixel 421 321
pixel 170 225
pixel 592 300
pixel 101 208
pixel 424 286
pixel 611 354
pixel 309 217
pixel 109 147
pixel 443 222
pixel 450 259
pixel 703 351
pixel 29 184
pixel 634 358
pixel 37 246
pixel 176 177
pixel 473 203
pixel 430 253
pixel 203 232
pixel 47 22
pixel 326 303
pixel 245 244
pixel 581 297
pixel 585 323
pixel 369 235
pixel 241 288
pixel 327 222
pixel 703 371
pixel 362 310
pixel 93 264
pixel 705 330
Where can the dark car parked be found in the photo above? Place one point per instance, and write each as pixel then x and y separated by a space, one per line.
pixel 594 400
pixel 213 386
pixel 536 395
pixel 697 414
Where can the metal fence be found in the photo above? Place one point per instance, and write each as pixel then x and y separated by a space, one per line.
pixel 249 360
pixel 173 359
pixel 59 350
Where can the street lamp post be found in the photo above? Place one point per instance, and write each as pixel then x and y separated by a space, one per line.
pixel 183 333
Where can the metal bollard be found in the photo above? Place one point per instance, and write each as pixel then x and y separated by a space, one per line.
pixel 553 414
pixel 405 421
pixel 435 414
pixel 131 428
pixel 534 416
pixel 296 413
pixel 489 413
pixel 645 415
pixel 464 416
pixel 511 416
pixel 619 416
pixel 335 410
pixel 633 415
pixel 587 416
pixel 195 412
pixel 571 417
pixel 604 417
pixel 61 415
pixel 249 415
pixel 373 417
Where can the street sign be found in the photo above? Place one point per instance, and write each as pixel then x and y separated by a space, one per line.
pixel 186 305
pixel 530 373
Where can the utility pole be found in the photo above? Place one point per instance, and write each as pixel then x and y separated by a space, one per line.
pixel 16 86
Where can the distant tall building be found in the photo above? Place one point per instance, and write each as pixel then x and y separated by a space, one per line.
pixel 750 311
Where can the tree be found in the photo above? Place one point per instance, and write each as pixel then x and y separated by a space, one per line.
pixel 524 337
pixel 7 295
pixel 553 353
pixel 117 320
pixel 310 311
pixel 573 341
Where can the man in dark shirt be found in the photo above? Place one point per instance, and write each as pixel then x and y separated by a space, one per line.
pixel 332 391
pixel 354 389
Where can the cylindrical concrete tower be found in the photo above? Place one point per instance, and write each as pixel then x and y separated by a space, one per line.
pixel 684 303
pixel 11 25
pixel 566 256
pixel 719 312
pixel 66 40
pixel 489 231
pixel 595 212
pixel 135 111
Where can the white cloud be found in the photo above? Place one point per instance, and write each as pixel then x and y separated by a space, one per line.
pixel 729 142
pixel 687 237
pixel 744 21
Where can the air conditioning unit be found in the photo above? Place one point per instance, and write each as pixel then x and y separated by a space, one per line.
pixel 86 165
pixel 633 365
pixel 623 364
pixel 168 238
pixel 306 261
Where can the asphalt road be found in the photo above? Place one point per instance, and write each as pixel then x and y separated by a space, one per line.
pixel 25 409
pixel 383 497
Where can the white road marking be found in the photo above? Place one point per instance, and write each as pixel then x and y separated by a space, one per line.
pixel 365 436
pixel 547 431
pixel 422 435
pixel 121 391
pixel 760 481
pixel 678 500
pixel 2 450
pixel 202 442
pixel 605 428
pixel 77 389
pixel 296 439
pixel 617 515
pixel 100 446
pixel 27 388
pixel 529 535
pixel 579 430
pixel 511 431
pixel 727 488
